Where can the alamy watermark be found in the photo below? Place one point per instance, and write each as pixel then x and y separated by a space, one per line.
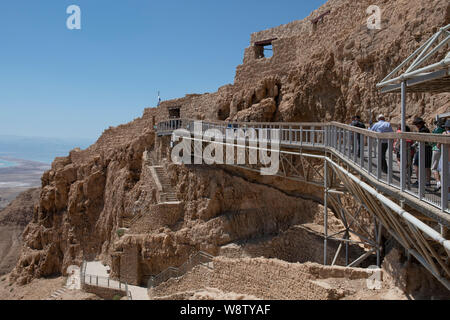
pixel 374 20
pixel 375 281
pixel 231 148
pixel 74 20
pixel 73 278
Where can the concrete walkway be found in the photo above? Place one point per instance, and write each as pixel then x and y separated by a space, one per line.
pixel 97 269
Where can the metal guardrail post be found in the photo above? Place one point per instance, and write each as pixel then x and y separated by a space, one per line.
pixel 290 134
pixel 379 158
pixel 421 170
pixel 391 161
pixel 370 147
pixel 301 136
pixel 444 176
pixel 361 150
pixel 403 164
pixel 351 144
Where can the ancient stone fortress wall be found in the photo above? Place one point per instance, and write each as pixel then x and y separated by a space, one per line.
pixel 265 279
pixel 105 293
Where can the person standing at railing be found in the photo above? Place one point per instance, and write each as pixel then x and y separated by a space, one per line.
pixel 436 158
pixel 421 126
pixel 441 166
pixel 357 123
pixel 382 126
pixel 409 153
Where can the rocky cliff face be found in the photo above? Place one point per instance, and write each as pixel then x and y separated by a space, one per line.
pixel 83 199
pixel 321 74
pixel 13 220
pixel 328 71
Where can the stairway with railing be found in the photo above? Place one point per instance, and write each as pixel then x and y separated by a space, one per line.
pixel 199 259
pixel 129 222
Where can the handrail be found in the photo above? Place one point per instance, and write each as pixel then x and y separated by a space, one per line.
pixel 368 153
pixel 344 140
pixel 103 282
pixel 426 137
pixel 172 272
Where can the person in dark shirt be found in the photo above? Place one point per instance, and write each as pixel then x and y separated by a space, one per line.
pixel 422 128
pixel 356 122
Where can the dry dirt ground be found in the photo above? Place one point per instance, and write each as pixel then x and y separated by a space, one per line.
pixel 40 289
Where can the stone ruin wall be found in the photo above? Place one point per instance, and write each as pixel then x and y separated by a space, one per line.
pixel 327 71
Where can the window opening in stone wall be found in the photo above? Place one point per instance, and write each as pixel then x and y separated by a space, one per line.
pixel 175 113
pixel 264 49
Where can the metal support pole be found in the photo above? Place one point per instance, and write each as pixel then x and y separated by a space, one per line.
pixel 404 175
pixel 370 155
pixel 444 176
pixel 403 151
pixel 347 237
pixel 421 172
pixel 391 161
pixel 325 219
pixel 379 231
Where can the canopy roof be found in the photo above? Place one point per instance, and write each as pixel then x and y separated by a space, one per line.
pixel 424 74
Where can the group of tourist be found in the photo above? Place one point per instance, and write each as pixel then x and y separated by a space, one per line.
pixel 433 159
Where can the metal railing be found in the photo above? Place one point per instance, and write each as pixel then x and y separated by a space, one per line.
pixel 387 157
pixel 200 258
pixel 103 282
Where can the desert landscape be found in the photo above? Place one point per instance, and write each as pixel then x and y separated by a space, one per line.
pixel 124 204
pixel 17 177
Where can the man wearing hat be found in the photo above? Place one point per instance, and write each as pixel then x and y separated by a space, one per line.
pixel 422 128
pixel 382 126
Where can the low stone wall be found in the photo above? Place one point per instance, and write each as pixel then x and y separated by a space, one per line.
pixel 262 278
pixel 105 293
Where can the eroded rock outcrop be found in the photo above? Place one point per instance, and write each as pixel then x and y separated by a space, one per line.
pixel 13 220
pixel 316 74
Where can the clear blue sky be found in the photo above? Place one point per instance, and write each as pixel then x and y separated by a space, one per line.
pixel 56 82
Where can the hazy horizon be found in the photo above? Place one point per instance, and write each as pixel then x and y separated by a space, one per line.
pixel 39 149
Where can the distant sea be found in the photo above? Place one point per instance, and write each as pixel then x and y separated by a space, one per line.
pixel 37 149
pixel 6 164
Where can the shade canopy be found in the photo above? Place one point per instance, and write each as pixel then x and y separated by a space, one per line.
pixel 420 71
